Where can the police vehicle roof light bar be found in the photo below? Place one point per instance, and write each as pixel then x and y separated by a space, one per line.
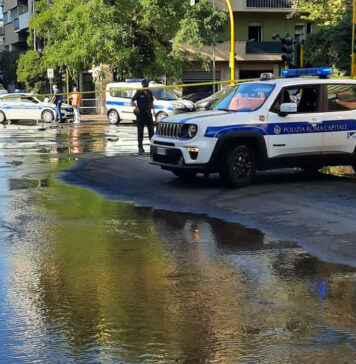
pixel 135 80
pixel 322 72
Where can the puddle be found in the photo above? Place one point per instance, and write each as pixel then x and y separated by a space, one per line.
pixel 84 279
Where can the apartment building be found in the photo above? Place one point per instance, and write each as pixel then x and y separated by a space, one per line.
pixel 16 14
pixel 2 35
pixel 255 23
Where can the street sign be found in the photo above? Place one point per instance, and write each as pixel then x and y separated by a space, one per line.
pixel 50 73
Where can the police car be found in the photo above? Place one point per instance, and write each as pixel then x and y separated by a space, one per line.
pixel 24 106
pixel 119 95
pixel 271 123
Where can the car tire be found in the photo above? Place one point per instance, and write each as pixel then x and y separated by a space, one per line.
pixel 184 174
pixel 238 166
pixel 113 117
pixel 48 116
pixel 2 117
pixel 160 116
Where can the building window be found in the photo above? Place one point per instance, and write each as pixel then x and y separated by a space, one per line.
pixel 13 14
pixel 299 32
pixel 7 16
pixel 255 32
pixel 309 28
pixel 23 6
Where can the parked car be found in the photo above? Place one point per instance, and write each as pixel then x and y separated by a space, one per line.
pixel 118 101
pixel 208 102
pixel 197 96
pixel 24 106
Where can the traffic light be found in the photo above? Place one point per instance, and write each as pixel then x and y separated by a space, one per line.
pixel 114 73
pixel 287 49
pixel 296 54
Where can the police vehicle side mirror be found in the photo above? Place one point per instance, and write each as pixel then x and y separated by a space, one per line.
pixel 287 108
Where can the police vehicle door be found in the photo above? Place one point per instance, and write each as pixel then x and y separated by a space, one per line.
pixel 298 133
pixel 340 119
pixel 11 108
pixel 29 109
pixel 122 102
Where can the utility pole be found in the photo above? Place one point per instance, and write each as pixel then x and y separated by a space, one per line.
pixel 353 59
pixel 34 30
pixel 232 52
pixel 232 30
pixel 214 61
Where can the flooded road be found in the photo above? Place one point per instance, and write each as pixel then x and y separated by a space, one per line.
pixel 85 279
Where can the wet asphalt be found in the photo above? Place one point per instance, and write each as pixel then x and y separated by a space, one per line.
pixel 318 211
pixel 106 258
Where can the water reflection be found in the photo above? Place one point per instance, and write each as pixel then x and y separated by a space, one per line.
pixel 84 279
pixel 94 280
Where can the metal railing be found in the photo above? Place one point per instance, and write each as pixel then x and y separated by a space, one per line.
pixel 269 4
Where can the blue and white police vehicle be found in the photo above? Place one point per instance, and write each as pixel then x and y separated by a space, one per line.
pixel 118 101
pixel 271 123
pixel 24 106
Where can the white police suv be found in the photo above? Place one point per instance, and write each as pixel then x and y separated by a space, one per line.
pixel 272 123
pixel 24 106
pixel 119 95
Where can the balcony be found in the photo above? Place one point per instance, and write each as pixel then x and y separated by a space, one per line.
pixel 269 4
pixel 263 48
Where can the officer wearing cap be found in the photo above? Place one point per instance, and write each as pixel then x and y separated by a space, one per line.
pixel 143 102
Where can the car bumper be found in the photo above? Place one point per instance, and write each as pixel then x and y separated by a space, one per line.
pixel 183 155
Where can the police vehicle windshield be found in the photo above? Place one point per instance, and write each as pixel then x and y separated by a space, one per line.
pixel 163 94
pixel 245 97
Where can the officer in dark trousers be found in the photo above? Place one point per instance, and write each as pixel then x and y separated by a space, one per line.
pixel 143 101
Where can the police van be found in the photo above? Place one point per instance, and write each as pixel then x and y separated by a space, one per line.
pixel 119 95
pixel 271 123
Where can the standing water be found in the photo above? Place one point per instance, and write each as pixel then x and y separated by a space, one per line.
pixel 84 279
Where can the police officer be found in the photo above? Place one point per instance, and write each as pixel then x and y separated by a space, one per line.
pixel 143 101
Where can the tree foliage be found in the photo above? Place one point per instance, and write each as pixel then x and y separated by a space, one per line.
pixel 32 71
pixel 330 44
pixel 8 65
pixel 139 37
pixel 323 12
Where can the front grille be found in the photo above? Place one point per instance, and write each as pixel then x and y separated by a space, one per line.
pixel 170 130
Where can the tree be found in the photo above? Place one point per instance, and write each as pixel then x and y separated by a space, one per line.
pixel 139 37
pixel 331 43
pixel 322 12
pixel 32 71
pixel 8 65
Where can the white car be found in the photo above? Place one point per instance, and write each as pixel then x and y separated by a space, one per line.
pixel 24 106
pixel 119 95
pixel 272 123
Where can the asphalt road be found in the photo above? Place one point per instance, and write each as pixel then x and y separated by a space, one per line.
pixel 318 212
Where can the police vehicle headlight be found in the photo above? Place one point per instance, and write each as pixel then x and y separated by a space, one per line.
pixel 192 131
pixel 177 105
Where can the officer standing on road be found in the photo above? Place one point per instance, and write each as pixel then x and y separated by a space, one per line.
pixel 57 100
pixel 144 106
